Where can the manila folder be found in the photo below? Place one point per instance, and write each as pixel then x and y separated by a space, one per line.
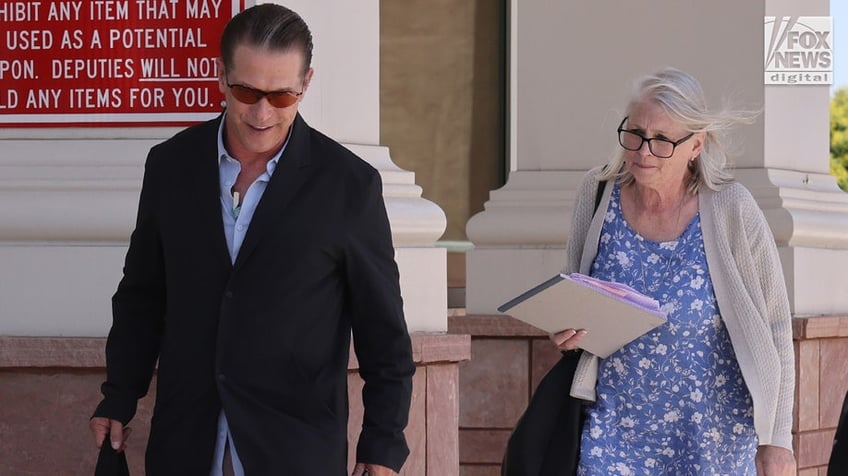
pixel 560 303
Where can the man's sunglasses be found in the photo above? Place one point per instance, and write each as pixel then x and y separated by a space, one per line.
pixel 278 99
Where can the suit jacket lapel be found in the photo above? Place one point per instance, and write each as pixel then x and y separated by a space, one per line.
pixel 207 183
pixel 290 174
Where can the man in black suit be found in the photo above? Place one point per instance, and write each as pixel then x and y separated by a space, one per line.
pixel 260 246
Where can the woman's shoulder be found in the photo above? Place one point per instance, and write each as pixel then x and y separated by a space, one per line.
pixel 591 178
pixel 595 172
pixel 736 202
pixel 590 185
pixel 730 194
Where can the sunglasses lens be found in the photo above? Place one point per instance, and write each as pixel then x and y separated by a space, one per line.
pixel 278 99
pixel 246 95
pixel 281 100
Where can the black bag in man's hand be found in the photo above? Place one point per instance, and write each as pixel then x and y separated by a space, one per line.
pixel 111 462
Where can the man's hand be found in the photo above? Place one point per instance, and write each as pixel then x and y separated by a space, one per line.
pixel 774 461
pixel 118 434
pixel 372 470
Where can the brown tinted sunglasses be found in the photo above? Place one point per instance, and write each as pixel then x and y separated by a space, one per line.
pixel 278 99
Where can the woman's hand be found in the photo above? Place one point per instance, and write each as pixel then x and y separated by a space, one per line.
pixel 568 339
pixel 774 461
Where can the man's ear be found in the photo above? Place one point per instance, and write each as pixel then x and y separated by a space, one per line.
pixel 307 78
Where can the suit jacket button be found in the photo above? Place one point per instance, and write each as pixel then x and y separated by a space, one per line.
pixel 228 294
pixel 221 377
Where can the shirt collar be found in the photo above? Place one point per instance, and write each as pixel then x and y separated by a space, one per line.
pixel 224 154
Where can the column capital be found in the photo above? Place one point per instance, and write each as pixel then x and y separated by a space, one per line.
pixel 415 220
pixel 519 238
pixel 533 209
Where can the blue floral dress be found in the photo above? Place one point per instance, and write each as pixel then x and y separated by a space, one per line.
pixel 672 402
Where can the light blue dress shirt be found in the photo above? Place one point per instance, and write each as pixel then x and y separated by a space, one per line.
pixel 236 222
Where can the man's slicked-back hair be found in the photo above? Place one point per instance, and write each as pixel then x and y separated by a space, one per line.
pixel 269 26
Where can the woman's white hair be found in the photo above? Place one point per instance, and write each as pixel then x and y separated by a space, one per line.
pixel 682 98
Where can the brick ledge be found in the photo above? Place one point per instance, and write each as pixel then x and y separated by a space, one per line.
pixel 494 325
pixel 818 327
pixel 483 325
pixel 88 352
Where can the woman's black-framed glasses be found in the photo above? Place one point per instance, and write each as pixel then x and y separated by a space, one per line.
pixel 248 95
pixel 659 147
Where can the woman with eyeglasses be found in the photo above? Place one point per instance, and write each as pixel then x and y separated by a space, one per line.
pixel 711 391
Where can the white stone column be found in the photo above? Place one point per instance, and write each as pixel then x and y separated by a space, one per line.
pixel 344 103
pixel 68 196
pixel 806 210
pixel 572 64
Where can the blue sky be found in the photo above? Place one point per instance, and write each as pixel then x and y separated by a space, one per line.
pixel 839 12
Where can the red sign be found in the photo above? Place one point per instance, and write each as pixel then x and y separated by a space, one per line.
pixel 110 62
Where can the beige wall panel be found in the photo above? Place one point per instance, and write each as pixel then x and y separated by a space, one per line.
pixel 576 62
pixel 439 99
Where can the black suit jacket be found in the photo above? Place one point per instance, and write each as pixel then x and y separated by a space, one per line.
pixel 266 338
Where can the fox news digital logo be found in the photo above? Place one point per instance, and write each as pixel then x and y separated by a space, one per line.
pixel 798 50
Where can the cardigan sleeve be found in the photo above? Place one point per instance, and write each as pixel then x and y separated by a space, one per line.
pixel 778 317
pixel 586 375
pixel 748 281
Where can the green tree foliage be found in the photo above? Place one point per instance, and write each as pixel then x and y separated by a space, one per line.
pixel 839 137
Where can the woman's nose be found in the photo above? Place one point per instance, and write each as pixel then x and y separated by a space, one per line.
pixel 645 149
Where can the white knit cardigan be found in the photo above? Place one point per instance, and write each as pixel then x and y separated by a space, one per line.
pixel 748 281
